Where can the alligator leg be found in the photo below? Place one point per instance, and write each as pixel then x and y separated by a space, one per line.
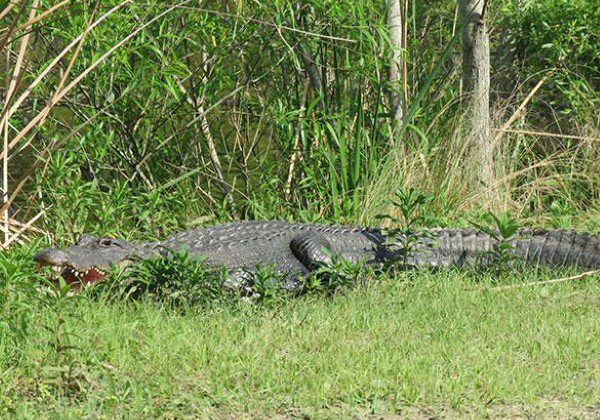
pixel 312 250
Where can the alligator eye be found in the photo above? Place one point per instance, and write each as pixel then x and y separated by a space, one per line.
pixel 105 242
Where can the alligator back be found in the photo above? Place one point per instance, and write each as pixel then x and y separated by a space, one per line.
pixel 248 244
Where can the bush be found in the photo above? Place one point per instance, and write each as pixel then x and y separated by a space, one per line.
pixel 557 34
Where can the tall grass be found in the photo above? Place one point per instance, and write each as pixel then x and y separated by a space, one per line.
pixel 142 118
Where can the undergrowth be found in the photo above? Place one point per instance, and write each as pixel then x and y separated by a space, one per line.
pixel 174 115
pixel 385 345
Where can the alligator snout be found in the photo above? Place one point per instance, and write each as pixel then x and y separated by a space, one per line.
pixel 50 256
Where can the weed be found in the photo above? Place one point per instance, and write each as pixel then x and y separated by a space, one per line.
pixel 63 371
pixel 502 230
pixel 17 293
pixel 262 284
pixel 176 280
pixel 409 203
pixel 342 275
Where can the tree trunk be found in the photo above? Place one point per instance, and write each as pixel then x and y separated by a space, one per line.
pixel 476 85
pixel 397 29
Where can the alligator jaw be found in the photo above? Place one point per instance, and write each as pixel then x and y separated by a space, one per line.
pixel 89 276
pixel 71 275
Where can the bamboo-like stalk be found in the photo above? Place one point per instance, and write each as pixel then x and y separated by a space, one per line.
pixel 519 111
pixel 41 16
pixel 9 7
pixel 21 230
pixel 5 217
pixel 292 166
pixel 12 87
pixel 35 121
pixel 547 134
pixel 17 103
pixel 404 60
pixel 545 282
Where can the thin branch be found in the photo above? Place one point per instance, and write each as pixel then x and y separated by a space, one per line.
pixel 34 121
pixel 13 26
pixel 483 10
pixel 21 230
pixel 42 15
pixel 546 134
pixel 295 155
pixel 541 283
pixel 521 107
pixel 12 87
pixel 260 22
pixel 9 7
pixel 57 59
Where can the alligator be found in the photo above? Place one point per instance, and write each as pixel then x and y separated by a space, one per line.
pixel 296 250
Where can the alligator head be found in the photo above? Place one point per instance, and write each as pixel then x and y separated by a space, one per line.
pixel 88 259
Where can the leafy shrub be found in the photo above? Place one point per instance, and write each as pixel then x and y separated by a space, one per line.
pixel 502 230
pixel 17 297
pixel 176 280
pixel 561 34
pixel 341 276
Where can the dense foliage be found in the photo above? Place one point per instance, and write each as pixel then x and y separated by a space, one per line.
pixel 561 35
pixel 188 112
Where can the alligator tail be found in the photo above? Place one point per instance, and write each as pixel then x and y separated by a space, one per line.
pixel 463 247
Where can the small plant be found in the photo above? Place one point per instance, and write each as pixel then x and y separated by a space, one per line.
pixel 561 214
pixel 341 275
pixel 16 295
pixel 176 280
pixel 502 230
pixel 409 203
pixel 63 372
pixel 263 284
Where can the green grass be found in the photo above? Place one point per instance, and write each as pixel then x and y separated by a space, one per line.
pixel 415 343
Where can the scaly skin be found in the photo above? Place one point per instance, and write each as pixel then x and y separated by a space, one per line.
pixel 297 249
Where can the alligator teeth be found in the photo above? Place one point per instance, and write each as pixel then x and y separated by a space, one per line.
pixel 81 275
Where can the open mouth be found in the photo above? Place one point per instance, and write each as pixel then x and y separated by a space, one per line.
pixel 71 275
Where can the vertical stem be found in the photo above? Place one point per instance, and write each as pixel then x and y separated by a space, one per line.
pixel 310 66
pixel 396 30
pixel 212 148
pixel 293 159
pixel 455 21
pixel 454 25
pixel 4 129
pixel 5 217
pixel 11 87
pixel 404 64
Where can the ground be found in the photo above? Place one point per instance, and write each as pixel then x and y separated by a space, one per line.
pixel 422 345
